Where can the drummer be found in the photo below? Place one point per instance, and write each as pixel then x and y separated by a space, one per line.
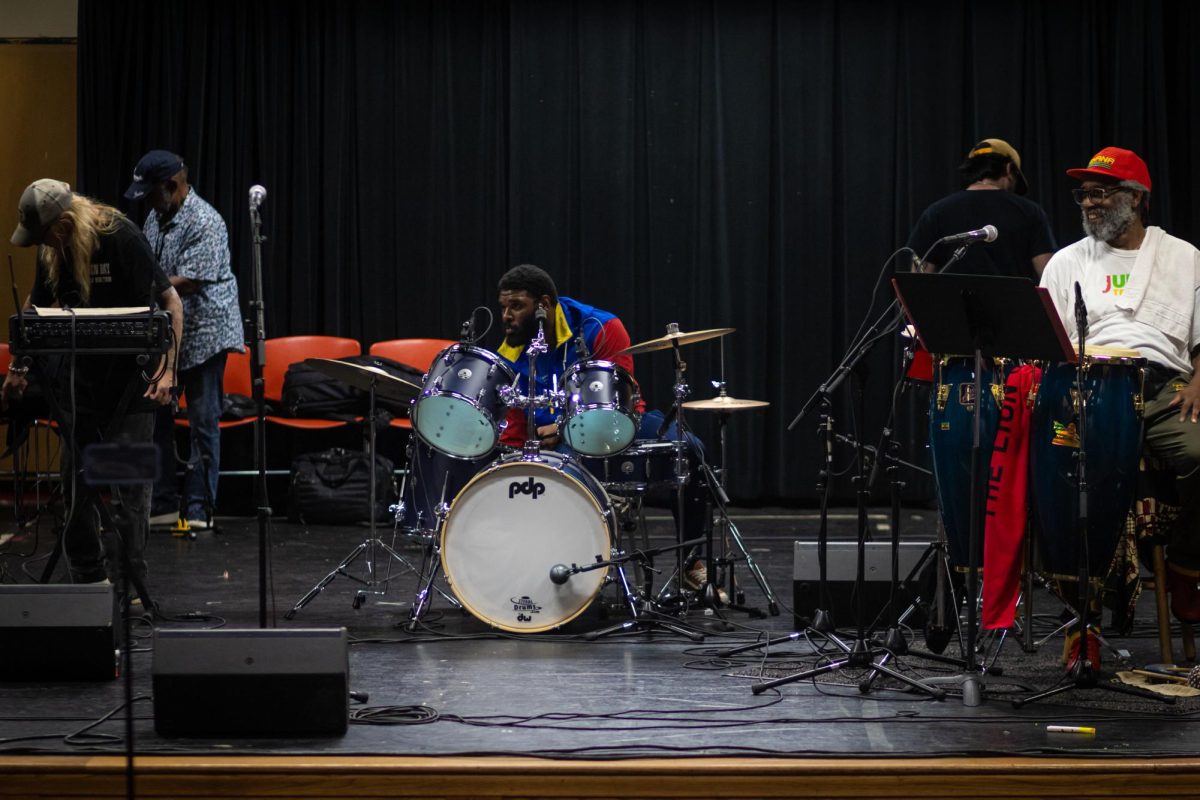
pixel 575 331
pixel 1141 287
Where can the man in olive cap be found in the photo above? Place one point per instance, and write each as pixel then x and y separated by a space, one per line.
pixel 993 193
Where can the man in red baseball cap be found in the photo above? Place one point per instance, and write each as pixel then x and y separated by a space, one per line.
pixel 1141 289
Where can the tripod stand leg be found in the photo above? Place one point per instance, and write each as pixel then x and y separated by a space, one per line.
pixel 340 569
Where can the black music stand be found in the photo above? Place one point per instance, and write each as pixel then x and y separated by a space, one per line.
pixel 989 316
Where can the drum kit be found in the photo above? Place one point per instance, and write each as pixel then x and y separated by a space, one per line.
pixel 534 535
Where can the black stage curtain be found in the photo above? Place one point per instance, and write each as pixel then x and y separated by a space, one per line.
pixel 748 164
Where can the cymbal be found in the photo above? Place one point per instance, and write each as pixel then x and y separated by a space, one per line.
pixel 672 339
pixel 387 386
pixel 724 402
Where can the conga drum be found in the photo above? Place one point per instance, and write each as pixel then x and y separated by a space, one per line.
pixel 1112 391
pixel 951 434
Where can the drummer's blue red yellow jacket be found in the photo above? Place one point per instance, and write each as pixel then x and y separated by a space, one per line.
pixel 604 336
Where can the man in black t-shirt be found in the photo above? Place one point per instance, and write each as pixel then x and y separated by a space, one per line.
pixel 91 256
pixel 992 194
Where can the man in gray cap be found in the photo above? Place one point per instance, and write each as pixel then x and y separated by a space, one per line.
pixel 189 240
pixel 89 255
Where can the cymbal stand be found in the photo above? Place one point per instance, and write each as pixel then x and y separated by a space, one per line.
pixel 729 531
pixel 367 547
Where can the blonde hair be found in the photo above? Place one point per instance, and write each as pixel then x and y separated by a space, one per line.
pixel 90 219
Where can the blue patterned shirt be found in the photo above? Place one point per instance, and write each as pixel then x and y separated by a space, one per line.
pixel 195 245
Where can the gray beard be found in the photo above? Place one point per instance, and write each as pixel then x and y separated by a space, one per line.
pixel 1113 221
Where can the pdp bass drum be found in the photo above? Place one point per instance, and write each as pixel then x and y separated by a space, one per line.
pixel 513 522
pixel 459 408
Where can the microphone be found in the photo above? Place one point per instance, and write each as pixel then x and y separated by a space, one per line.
pixel 540 314
pixel 257 195
pixel 1081 315
pixel 987 233
pixel 467 334
pixel 559 574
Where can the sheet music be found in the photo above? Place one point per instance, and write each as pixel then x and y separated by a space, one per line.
pixel 46 311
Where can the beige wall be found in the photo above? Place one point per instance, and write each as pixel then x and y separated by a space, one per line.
pixel 37 140
pixel 44 19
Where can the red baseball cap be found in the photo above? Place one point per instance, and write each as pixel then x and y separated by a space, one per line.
pixel 1115 164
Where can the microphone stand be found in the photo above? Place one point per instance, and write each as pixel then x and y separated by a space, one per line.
pixel 258 360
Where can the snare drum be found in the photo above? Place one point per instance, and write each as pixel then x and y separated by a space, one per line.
pixel 601 400
pixel 458 410
pixel 513 522
pixel 951 435
pixel 644 466
pixel 1113 392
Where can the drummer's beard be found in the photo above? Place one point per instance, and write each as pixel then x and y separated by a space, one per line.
pixel 1109 223
pixel 522 334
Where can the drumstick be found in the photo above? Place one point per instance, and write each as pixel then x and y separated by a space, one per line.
pixel 1162 676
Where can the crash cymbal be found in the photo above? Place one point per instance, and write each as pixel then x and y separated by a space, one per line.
pixel 674 338
pixel 724 402
pixel 387 386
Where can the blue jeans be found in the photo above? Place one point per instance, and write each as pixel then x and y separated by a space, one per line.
pixel 203 386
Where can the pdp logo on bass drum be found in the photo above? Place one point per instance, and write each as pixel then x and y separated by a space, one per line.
pixel 528 486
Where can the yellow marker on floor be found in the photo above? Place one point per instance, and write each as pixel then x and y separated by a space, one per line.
pixel 1069 729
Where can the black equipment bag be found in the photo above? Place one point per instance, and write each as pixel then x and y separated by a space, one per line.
pixel 312 394
pixel 308 393
pixel 333 486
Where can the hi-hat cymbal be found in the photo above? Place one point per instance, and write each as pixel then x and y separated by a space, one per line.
pixel 387 386
pixel 724 402
pixel 672 339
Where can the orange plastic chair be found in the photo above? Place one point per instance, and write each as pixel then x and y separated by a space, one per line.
pixel 286 350
pixel 418 353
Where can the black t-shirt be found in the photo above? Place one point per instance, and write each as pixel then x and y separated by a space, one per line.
pixel 123 273
pixel 1024 232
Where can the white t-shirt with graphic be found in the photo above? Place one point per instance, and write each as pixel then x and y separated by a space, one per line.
pixel 1102 272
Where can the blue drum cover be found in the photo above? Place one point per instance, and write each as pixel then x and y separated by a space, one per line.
pixel 951 420
pixel 1113 444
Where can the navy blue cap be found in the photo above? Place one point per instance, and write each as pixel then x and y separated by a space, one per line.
pixel 154 168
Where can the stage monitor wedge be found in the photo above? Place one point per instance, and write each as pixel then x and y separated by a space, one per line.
pixel 251 682
pixel 57 632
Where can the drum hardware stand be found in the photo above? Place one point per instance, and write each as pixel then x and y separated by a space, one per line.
pixel 728 529
pixel 641 619
pixel 372 542
pixel 860 654
pixel 822 623
pixel 1084 674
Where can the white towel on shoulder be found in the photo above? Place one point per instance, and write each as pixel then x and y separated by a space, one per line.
pixel 1161 290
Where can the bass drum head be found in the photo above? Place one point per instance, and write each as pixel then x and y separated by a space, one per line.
pixel 509 526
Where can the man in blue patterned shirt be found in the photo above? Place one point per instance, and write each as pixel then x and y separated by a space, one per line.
pixel 189 240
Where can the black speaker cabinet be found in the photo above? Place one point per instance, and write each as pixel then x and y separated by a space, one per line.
pixel 57 632
pixel 251 682
pixel 841 567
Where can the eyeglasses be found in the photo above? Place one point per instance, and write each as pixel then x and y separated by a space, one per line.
pixel 1098 194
